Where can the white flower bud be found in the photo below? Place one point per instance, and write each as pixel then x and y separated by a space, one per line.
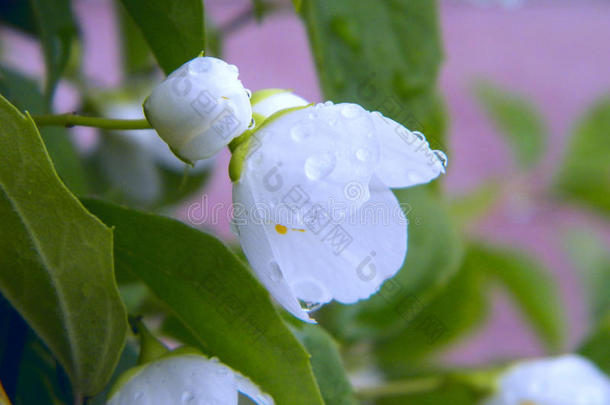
pixel 185 378
pixel 269 101
pixel 199 108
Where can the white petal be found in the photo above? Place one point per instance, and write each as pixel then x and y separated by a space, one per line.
pixel 321 160
pixel 278 101
pixel 406 157
pixel 565 380
pixel 200 108
pixel 191 379
pixel 260 254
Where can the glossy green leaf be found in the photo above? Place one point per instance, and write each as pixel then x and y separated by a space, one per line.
pixel 383 54
pixel 516 119
pixel 531 285
pixel 327 365
pixel 57 30
pixel 597 346
pixel 433 256
pixel 174 29
pixel 24 94
pixel 584 176
pixel 214 295
pixel 55 252
pixel 591 258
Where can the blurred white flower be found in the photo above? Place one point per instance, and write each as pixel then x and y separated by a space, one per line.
pixel 565 380
pixel 185 379
pixel 313 207
pixel 129 158
pixel 199 108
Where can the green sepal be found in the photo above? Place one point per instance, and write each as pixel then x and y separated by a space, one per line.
pixel 242 150
pixel 263 94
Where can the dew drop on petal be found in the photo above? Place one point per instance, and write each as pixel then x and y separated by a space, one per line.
pixel 234 69
pixel 252 124
pixel 275 274
pixel 419 135
pixel 328 103
pixel 320 165
pixel 442 157
pixel 298 133
pixel 350 111
pixel 248 93
pixel 187 396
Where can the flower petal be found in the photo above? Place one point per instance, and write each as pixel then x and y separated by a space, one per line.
pixel 406 157
pixel 255 244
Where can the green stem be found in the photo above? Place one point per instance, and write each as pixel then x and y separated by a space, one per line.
pixel 69 120
pixel 394 388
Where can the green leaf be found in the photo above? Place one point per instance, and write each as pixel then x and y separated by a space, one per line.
pixel 60 259
pixel 383 54
pixel 24 94
pixel 597 346
pixel 533 288
pixel 57 30
pixel 516 119
pixel 459 307
pixel 434 255
pixel 584 176
pixel 474 204
pixel 174 29
pixel 592 259
pixel 214 295
pixel 327 365
pixel 135 51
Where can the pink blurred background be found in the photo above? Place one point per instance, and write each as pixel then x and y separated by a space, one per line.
pixel 554 52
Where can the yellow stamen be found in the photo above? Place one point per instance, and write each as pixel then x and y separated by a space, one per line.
pixel 281 229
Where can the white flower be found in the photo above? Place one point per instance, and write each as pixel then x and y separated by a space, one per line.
pixel 129 159
pixel 269 101
pixel 565 380
pixel 199 108
pixel 313 209
pixel 182 379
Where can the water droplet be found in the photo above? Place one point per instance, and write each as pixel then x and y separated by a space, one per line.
pixel 248 93
pixel 328 103
pixel 275 273
pixel 318 106
pixel 138 395
pixel 299 133
pixel 252 124
pixel 310 306
pixel 442 157
pixel 320 165
pixel 364 155
pixel 350 111
pixel 187 396
pixel 234 68
pixel 419 135
pixel 222 370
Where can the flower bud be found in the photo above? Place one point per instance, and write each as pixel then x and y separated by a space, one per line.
pixel 269 101
pixel 199 108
